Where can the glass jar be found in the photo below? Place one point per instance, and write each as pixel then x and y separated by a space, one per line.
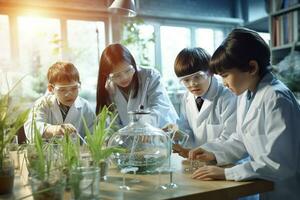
pixel 50 187
pixel 85 183
pixel 146 147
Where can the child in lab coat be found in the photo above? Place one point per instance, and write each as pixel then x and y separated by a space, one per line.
pixel 129 88
pixel 267 120
pixel 60 110
pixel 214 117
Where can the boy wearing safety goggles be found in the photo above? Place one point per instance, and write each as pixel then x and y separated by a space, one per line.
pixel 208 108
pixel 61 110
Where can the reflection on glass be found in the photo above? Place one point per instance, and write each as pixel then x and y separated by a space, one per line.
pixel 160 186
pixel 125 171
pixel 171 184
pixel 135 180
pixel 146 147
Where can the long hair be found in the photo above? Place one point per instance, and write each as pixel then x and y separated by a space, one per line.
pixel 113 55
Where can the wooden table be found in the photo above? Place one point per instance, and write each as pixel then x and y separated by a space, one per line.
pixel 188 188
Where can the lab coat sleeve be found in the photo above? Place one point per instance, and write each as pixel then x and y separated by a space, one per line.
pixel 229 151
pixel 228 115
pixel 90 118
pixel 279 157
pixel 39 112
pixel 159 103
pixel 183 123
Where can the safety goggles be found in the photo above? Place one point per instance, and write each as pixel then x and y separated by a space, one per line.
pixel 195 78
pixel 66 89
pixel 122 75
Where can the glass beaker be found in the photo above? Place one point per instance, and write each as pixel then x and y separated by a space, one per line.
pixel 146 147
pixel 85 183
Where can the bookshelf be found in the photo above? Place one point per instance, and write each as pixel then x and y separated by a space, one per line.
pixel 284 27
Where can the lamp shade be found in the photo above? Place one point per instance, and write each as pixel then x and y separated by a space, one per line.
pixel 123 8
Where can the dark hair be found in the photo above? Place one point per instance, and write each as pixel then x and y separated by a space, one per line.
pixel 191 60
pixel 113 55
pixel 62 71
pixel 241 46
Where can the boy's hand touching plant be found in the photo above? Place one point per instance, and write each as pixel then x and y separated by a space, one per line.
pixel 59 130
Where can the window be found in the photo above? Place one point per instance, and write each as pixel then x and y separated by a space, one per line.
pixel 40 44
pixel 83 53
pixel 39 47
pixel 173 40
pixel 209 39
pixel 5 51
pixel 139 39
pixel 4 44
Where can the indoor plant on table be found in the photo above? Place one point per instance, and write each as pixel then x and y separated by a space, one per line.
pixel 97 141
pixel 11 120
pixel 46 176
pixel 84 180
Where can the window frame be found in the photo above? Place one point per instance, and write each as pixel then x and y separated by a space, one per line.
pixel 60 14
pixel 192 26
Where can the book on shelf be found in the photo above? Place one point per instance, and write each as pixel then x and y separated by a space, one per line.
pixel 285 28
pixel 277 5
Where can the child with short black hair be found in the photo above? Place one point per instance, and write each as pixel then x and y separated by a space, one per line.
pixel 214 117
pixel 61 110
pixel 267 120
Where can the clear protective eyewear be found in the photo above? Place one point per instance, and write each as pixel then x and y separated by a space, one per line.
pixel 196 78
pixel 66 89
pixel 121 75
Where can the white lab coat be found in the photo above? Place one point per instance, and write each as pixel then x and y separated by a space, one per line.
pixel 269 132
pixel 156 100
pixel 48 113
pixel 216 119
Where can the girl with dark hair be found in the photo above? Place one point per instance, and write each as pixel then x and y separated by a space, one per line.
pixel 267 120
pixel 129 88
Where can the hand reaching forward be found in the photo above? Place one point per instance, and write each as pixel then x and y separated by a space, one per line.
pixel 201 154
pixel 59 130
pixel 184 152
pixel 208 173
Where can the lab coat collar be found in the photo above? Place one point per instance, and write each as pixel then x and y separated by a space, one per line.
pixel 122 105
pixel 73 111
pixel 212 91
pixel 77 103
pixel 206 104
pixel 257 99
pixel 209 96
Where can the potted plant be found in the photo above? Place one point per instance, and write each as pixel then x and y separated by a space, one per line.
pixel 46 178
pixel 97 141
pixel 11 120
pixel 70 153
